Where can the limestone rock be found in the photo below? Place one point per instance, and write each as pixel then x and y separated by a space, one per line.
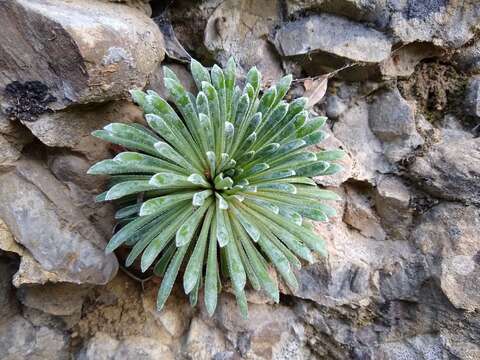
pixel 239 29
pixel 468 58
pixel 349 275
pixel 448 235
pixel 43 219
pixel 418 347
pixel 370 11
pixel 332 35
pixel 403 279
pixel 449 24
pixel 74 52
pixel 60 299
pixel 20 340
pixel 363 146
pixel 360 214
pixel 174 317
pixel 101 347
pixel 271 332
pixel 392 200
pixel 203 342
pixel 72 128
pixel 143 5
pixel 392 120
pixel 10 153
pixel 450 170
pixel 142 348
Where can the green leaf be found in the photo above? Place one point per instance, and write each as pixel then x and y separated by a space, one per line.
pixel 211 284
pixel 195 264
pixel 221 227
pixel 330 155
pixel 162 203
pixel 199 73
pixel 170 276
pixel 187 230
pixel 127 232
pixel 127 188
pixel 161 265
pixel 159 242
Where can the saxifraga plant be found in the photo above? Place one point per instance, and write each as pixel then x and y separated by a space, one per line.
pixel 219 183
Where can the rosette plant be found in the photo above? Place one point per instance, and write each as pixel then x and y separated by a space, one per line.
pixel 218 186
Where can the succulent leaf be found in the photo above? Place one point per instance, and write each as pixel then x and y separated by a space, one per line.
pixel 219 184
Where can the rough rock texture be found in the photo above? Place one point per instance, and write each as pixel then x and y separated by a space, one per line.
pixel 337 36
pixel 401 277
pixel 76 52
pixel 43 219
pixel 450 170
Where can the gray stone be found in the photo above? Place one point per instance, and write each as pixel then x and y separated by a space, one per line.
pixel 100 347
pixel 363 146
pixel 203 342
pixel 143 5
pixel 88 51
pixel 72 128
pixel 225 35
pixel 270 332
pixel 10 153
pixel 370 11
pixel 450 170
pixel 333 35
pixel 392 202
pixel 335 106
pixel 472 98
pixel 360 214
pixel 60 299
pixel 392 120
pixel 19 340
pixel 142 348
pixel 454 130
pixel 43 219
pixel 422 347
pixel 403 279
pixel 448 236
pixel 29 270
pixel 349 275
pixel 444 23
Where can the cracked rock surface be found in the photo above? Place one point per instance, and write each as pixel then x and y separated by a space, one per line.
pixel 401 278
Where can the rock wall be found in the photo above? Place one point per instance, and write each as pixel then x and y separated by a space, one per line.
pixel 403 100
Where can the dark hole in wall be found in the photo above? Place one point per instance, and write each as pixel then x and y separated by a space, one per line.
pixel 27 100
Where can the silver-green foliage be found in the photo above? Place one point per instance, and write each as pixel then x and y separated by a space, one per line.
pixel 220 184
